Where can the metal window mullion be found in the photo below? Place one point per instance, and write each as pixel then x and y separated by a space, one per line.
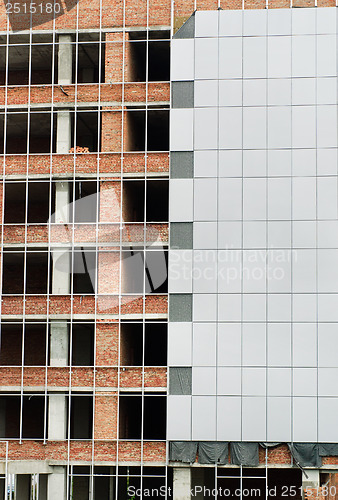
pixel 242 237
pixel 3 213
pixel 266 242
pixel 96 250
pixel 317 253
pixel 72 248
pixel 291 245
pixel 144 249
pixel 26 227
pixel 120 251
pixel 49 258
pixel 172 20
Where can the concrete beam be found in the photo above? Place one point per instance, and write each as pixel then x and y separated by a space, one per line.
pixel 57 417
pixel 56 487
pixel 26 467
pixel 181 483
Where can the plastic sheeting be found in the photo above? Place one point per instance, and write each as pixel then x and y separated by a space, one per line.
pixel 306 454
pixel 183 451
pixel 244 454
pixel 213 452
pixel 180 380
pixel 328 449
pixel 269 445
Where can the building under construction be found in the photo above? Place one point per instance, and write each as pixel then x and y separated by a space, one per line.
pixel 169 249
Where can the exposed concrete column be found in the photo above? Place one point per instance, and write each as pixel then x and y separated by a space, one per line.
pixel 57 417
pixel 56 488
pixel 312 481
pixel 59 338
pixel 23 487
pixel 63 132
pixel 59 347
pixel 65 77
pixel 61 256
pixel 182 483
pixel 65 60
pixel 60 279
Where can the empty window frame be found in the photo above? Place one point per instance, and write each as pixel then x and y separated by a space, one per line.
pixel 82 343
pixel 33 335
pixel 20 276
pixel 38 132
pixel 88 58
pixel 261 481
pixel 104 482
pixel 144 271
pixel 20 53
pixel 149 349
pixel 32 407
pixel 145 200
pixel 41 53
pixel 35 133
pixel 81 416
pixel 86 128
pixel 28 201
pixel 157 125
pixel 79 265
pixel 154 416
pixel 86 201
pixel 154 66
pixel 36 201
pixel 84 270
